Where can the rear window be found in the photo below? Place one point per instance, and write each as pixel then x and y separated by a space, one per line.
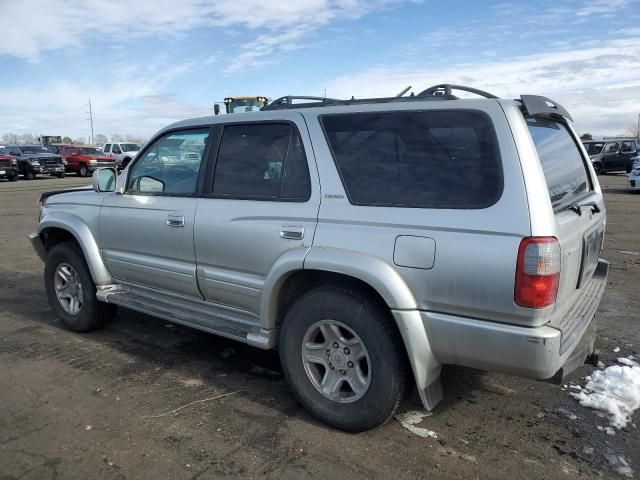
pixel 422 159
pixel 562 163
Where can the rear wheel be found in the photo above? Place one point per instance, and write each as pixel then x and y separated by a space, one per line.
pixel 14 177
pixel 343 358
pixel 71 291
pixel 29 175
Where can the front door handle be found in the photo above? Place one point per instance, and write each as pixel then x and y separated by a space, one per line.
pixel 175 220
pixel 292 232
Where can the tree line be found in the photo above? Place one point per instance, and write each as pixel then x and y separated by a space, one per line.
pixel 99 139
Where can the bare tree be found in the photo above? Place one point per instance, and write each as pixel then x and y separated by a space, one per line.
pixel 9 138
pixel 80 141
pixel 67 140
pixel 100 139
pixel 634 130
pixel 116 137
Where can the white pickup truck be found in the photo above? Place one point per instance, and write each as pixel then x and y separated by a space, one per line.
pixel 122 152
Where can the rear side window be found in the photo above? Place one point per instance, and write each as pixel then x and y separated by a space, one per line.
pixel 562 163
pixel 422 159
pixel 262 162
pixel 628 147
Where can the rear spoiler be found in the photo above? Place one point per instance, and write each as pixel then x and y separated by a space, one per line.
pixel 537 106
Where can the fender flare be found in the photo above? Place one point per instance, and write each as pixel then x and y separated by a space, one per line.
pixel 83 235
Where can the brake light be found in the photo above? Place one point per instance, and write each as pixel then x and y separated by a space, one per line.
pixel 537 272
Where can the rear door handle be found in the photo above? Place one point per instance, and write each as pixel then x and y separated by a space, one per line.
pixel 175 220
pixel 292 232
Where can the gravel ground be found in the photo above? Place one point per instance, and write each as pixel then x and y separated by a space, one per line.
pixel 107 404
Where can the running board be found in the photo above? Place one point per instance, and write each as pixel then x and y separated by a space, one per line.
pixel 209 317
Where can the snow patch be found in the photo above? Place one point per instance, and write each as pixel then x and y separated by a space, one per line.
pixel 616 349
pixel 614 391
pixel 409 420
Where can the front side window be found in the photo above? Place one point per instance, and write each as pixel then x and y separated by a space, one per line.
pixel 594 148
pixel 106 147
pixel 563 165
pixel 90 151
pixel 116 149
pixel 262 162
pixel 628 147
pixel 171 165
pixel 611 148
pixel 421 159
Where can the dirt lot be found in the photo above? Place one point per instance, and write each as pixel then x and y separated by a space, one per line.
pixel 106 404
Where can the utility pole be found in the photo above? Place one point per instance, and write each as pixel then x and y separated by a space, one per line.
pixel 91 120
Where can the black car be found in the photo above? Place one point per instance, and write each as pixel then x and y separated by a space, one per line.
pixel 35 159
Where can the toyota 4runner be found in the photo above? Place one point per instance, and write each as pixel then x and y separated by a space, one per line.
pixel 369 241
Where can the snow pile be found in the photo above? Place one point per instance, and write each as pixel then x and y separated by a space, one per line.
pixel 409 420
pixel 614 390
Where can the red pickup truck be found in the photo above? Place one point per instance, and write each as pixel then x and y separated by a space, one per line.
pixel 85 159
pixel 8 167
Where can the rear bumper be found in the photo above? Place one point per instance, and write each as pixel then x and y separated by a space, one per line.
pixel 537 352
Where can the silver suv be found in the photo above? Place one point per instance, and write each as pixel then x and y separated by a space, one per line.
pixel 369 241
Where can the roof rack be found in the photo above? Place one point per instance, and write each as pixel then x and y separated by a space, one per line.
pixel 437 92
pixel 287 102
pixel 445 89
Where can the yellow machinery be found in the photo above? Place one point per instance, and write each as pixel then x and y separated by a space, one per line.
pixel 244 104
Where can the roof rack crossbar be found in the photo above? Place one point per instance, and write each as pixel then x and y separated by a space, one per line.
pixel 445 89
pixel 287 101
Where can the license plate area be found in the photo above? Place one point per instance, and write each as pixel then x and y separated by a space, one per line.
pixel 591 246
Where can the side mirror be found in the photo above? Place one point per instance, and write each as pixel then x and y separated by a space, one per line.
pixel 104 180
pixel 216 109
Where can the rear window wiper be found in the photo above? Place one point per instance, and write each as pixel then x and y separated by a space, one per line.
pixel 577 207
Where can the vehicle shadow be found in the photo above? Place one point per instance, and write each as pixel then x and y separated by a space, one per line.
pixel 156 347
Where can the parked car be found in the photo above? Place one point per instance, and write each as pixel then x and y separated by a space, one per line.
pixel 370 241
pixel 612 155
pixel 85 159
pixel 121 152
pixel 36 160
pixel 8 167
pixel 634 176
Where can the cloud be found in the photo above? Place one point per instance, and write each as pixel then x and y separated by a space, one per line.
pixel 37 26
pixel 599 85
pixel 601 7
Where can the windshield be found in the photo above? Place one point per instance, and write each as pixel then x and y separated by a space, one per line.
pixel 245 105
pixel 594 148
pixel 89 151
pixel 33 149
pixel 129 147
pixel 563 166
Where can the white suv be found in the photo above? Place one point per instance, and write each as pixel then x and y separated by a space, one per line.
pixel 122 152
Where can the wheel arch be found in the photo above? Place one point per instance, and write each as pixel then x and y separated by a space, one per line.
pixel 58 227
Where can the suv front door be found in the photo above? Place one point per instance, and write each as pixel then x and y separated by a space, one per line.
pixel 610 154
pixel 147 232
pixel 260 209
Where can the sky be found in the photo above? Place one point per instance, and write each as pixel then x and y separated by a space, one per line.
pixel 145 64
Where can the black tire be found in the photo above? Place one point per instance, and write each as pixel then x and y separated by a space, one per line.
pixel 598 168
pixel 93 314
pixel 374 325
pixel 61 175
pixel 84 171
pixel 29 175
pixel 14 178
pixel 125 162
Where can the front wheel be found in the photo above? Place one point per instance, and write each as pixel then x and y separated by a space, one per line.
pixel 598 168
pixel 14 177
pixel 71 291
pixel 343 358
pixel 60 175
pixel 84 171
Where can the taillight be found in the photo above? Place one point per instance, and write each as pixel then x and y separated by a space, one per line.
pixel 537 272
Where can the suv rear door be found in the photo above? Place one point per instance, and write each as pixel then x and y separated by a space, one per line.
pixel 259 209
pixel 578 208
